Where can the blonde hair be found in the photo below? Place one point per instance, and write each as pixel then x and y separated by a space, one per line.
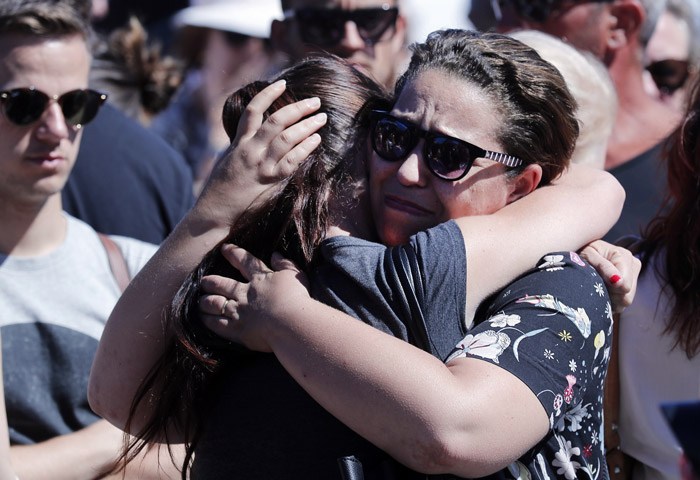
pixel 591 86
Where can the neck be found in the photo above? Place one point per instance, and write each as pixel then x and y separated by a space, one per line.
pixel 30 230
pixel 641 120
pixel 353 220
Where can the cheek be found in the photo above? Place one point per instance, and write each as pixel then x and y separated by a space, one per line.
pixel 480 198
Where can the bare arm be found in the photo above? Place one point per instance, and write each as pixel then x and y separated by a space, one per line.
pixel 577 209
pixel 436 419
pixel 87 453
pixel 134 337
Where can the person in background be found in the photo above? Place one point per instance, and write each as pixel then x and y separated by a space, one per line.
pixel 673 53
pixel 591 86
pixel 224 44
pixel 56 285
pixel 659 334
pixel 370 34
pixel 155 15
pixel 127 180
pixel 140 80
pixel 617 33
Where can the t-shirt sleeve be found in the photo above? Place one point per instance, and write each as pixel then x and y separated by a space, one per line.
pixel 552 329
pixel 360 278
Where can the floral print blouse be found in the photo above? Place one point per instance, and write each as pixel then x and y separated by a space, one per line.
pixel 552 329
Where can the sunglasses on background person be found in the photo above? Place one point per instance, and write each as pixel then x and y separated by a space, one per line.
pixel 325 27
pixel 23 106
pixel 669 75
pixel 540 10
pixel 446 157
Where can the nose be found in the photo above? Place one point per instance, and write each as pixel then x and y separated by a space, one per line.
pixel 412 171
pixel 352 40
pixel 52 125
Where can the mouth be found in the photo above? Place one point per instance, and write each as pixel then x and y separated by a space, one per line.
pixel 403 205
pixel 47 160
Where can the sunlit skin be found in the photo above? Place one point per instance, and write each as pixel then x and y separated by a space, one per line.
pixel 378 60
pixel 406 197
pixel 35 159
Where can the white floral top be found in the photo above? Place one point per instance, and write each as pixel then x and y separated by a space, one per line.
pixel 552 329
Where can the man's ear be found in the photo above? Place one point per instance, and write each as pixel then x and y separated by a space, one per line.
pixel 629 16
pixel 525 182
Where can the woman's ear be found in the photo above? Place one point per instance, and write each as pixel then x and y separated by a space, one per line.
pixel 525 182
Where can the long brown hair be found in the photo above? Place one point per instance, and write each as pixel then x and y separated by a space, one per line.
pixel 675 233
pixel 293 222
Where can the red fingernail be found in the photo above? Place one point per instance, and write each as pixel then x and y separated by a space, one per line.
pixel 615 278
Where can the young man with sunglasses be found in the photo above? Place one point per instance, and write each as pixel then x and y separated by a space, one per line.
pixel 370 34
pixel 617 32
pixel 56 286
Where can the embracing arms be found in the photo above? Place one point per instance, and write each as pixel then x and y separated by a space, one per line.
pixel 577 209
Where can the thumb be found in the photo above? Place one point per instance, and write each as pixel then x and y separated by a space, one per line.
pixel 278 262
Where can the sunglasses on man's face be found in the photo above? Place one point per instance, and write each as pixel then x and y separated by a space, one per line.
pixel 669 75
pixel 325 27
pixel 540 10
pixel 23 106
pixel 446 157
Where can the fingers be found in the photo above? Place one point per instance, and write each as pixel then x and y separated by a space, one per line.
pixel 252 117
pixel 216 305
pixel 218 285
pixel 606 269
pixel 618 267
pixel 243 261
pixel 278 263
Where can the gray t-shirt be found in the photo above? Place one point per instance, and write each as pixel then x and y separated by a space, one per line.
pixel 53 309
pixel 261 424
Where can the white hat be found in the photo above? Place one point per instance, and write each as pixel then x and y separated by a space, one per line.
pixel 247 17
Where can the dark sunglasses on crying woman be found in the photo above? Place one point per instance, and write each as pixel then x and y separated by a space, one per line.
pixel 446 157
pixel 325 27
pixel 23 106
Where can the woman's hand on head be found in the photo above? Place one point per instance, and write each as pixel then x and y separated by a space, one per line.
pixel 264 151
pixel 250 312
pixel 618 267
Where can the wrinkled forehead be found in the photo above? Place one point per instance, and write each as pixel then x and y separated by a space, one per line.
pixel 344 4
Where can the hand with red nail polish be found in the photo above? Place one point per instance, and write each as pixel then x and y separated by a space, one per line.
pixel 620 269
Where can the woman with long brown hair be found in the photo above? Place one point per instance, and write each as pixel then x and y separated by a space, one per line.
pixel 659 340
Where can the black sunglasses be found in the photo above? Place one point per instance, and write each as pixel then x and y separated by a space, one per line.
pixel 540 10
pixel 446 157
pixel 23 106
pixel 325 27
pixel 669 75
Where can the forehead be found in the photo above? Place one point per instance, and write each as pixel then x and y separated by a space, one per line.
pixel 443 102
pixel 671 39
pixel 344 4
pixel 51 64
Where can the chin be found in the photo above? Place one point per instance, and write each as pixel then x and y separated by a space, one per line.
pixel 392 237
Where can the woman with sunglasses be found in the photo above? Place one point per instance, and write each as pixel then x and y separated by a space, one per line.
pixel 277 431
pixel 659 335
